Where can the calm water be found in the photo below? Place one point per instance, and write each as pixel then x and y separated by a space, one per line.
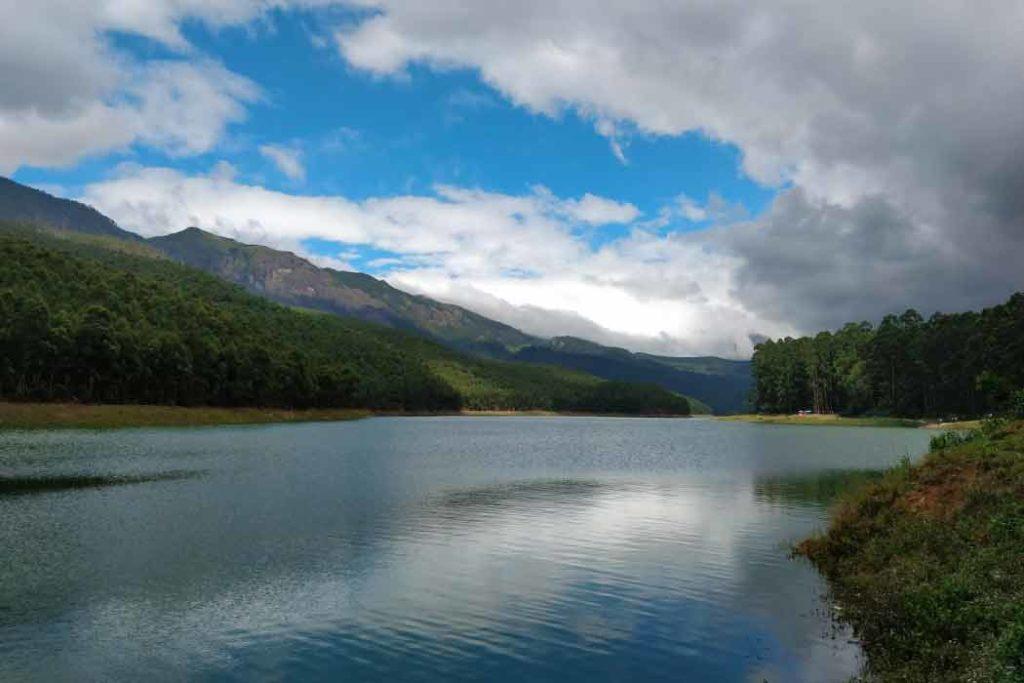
pixel 427 549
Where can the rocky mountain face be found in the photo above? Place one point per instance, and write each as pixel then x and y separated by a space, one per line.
pixel 290 279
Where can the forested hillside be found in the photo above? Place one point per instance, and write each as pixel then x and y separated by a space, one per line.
pixel 97 320
pixel 950 364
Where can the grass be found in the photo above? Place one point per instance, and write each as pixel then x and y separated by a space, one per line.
pixel 76 415
pixel 927 563
pixel 826 420
pixel 958 424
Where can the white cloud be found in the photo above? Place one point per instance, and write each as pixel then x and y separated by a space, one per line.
pixel 29 137
pixel 601 211
pixel 287 159
pixel 897 126
pixel 608 129
pixel 691 210
pixel 68 93
pixel 520 258
pixel 179 107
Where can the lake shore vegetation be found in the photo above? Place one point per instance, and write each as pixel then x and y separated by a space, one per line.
pixel 927 563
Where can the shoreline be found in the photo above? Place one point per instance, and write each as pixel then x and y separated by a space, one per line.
pixel 21 416
pixel 552 413
pixel 924 563
pixel 16 415
pixel 24 416
pixel 840 421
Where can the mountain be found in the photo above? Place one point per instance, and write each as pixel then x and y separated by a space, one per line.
pixel 722 384
pixel 28 205
pixel 84 321
pixel 289 279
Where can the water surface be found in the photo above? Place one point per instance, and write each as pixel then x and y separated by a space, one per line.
pixel 425 549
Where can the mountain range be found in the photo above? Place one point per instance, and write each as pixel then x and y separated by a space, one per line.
pixel 718 385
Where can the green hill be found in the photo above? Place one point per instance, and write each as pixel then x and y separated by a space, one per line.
pixel 89 320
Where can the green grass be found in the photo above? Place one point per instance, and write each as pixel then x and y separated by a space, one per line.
pixel 825 420
pixel 75 415
pixel 927 563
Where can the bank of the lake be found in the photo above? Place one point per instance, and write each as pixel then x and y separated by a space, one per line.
pixel 14 415
pixel 927 563
pixel 554 413
pixel 107 416
pixel 825 420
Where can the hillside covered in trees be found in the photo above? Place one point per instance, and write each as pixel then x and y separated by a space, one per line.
pixel 93 318
pixel 950 364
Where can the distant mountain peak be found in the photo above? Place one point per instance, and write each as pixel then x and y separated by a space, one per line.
pixel 27 204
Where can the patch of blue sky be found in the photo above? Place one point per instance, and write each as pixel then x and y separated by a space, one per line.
pixel 361 257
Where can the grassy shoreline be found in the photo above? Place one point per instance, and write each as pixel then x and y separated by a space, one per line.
pixel 109 416
pixel 840 421
pixel 927 563
pixel 91 416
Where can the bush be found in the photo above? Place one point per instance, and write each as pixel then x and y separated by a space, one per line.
pixel 1017 404
pixel 954 438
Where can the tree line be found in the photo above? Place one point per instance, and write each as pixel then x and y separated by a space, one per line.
pixel 962 364
pixel 88 321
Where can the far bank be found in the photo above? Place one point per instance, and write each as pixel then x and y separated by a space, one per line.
pixel 841 421
pixel 115 416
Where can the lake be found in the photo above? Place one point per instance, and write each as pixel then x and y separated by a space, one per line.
pixel 433 548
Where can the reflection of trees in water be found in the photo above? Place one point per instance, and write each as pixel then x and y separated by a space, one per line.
pixel 14 485
pixel 813 488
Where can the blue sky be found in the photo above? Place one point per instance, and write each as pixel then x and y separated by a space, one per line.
pixel 670 177
pixel 365 136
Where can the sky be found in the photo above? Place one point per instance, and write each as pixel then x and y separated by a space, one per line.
pixel 678 177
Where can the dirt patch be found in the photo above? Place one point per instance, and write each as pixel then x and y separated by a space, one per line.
pixel 941 496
